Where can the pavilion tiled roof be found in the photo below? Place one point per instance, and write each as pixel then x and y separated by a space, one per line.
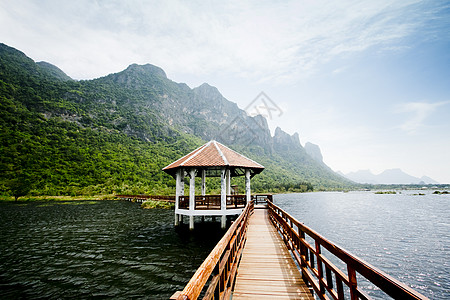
pixel 213 154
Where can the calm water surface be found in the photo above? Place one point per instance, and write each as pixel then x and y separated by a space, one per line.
pixel 99 249
pixel 115 249
pixel 404 235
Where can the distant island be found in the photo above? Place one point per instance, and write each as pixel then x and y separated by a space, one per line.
pixel 391 176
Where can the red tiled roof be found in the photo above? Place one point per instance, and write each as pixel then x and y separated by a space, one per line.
pixel 213 154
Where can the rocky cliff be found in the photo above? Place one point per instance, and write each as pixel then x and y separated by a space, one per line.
pixel 89 130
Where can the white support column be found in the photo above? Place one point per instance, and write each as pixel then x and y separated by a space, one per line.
pixel 182 182
pixel 178 184
pixel 191 197
pixel 247 186
pixel 203 182
pixel 223 197
pixel 228 182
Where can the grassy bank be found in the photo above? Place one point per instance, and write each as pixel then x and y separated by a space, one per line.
pixel 157 204
pixel 57 198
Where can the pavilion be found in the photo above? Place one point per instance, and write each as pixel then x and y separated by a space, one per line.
pixel 211 160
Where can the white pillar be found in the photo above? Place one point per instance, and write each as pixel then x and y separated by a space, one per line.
pixel 182 182
pixel 191 197
pixel 223 197
pixel 178 184
pixel 192 189
pixel 247 186
pixel 203 182
pixel 228 182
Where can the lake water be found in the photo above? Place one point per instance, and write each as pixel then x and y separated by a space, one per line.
pixel 115 249
pixel 404 235
pixel 97 249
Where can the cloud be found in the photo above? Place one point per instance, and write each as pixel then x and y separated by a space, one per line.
pixel 262 40
pixel 418 112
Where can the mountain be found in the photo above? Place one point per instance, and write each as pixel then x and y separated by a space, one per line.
pixel 362 176
pixel 53 71
pixel 428 180
pixel 391 176
pixel 314 151
pixel 114 134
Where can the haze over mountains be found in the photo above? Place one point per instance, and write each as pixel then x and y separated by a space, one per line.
pixel 391 176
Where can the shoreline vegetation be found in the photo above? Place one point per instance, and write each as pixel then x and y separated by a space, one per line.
pixel 4 198
pixel 441 190
pixel 150 204
pixel 386 192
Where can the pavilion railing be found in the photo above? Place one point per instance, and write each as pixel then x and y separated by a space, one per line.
pixel 236 201
pixel 207 202
pixel 215 276
pixel 183 202
pixel 326 279
pixel 214 201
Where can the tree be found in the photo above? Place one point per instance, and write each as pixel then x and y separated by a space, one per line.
pixel 19 187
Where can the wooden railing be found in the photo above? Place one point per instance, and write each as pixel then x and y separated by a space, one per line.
pixel 183 202
pixel 220 267
pixel 214 201
pixel 262 198
pixel 326 279
pixel 202 202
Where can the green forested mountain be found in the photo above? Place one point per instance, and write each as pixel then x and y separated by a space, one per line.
pixel 114 134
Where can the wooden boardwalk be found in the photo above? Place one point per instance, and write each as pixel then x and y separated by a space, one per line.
pixel 267 270
pixel 251 261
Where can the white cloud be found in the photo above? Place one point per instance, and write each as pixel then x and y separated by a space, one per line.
pixel 264 41
pixel 417 112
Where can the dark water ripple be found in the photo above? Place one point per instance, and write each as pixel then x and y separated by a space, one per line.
pixel 405 235
pixel 100 249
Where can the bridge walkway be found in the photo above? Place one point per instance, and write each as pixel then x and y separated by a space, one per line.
pixel 267 270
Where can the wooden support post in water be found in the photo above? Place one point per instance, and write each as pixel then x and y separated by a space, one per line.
pixel 191 222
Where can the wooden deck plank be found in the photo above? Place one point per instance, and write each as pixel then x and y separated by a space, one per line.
pixel 266 270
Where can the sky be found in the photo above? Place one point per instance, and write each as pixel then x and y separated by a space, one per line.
pixel 367 81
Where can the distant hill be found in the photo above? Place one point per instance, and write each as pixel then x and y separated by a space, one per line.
pixel 114 134
pixel 53 71
pixel 391 176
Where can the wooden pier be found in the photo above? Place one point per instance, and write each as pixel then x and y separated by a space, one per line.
pixel 268 254
pixel 266 270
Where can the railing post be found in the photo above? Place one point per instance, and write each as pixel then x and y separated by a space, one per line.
pixel 353 282
pixel 319 268
pixel 217 289
pixel 340 288
pixel 329 277
pixel 303 253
